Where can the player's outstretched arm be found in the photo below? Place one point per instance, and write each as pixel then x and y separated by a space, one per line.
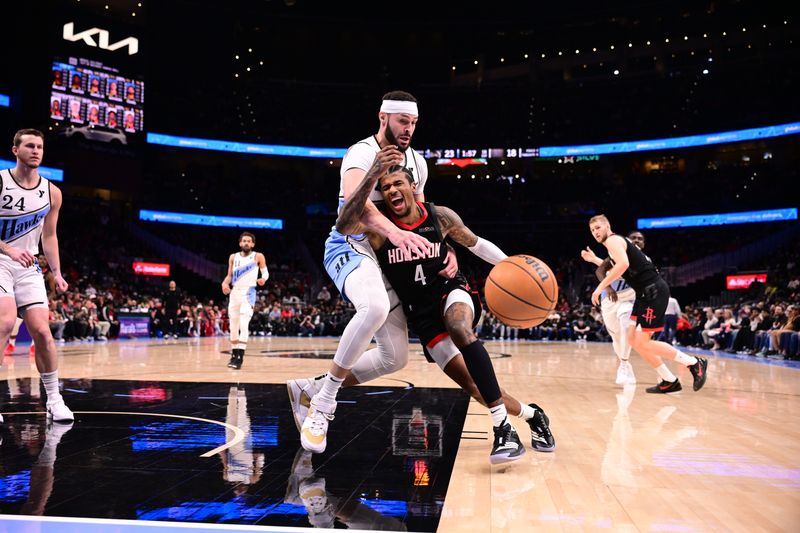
pixel 589 256
pixel 453 227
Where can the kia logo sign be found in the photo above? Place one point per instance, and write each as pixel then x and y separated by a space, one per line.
pixel 743 281
pixel 88 37
pixel 151 269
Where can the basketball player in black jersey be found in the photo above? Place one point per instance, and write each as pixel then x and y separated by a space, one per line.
pixel 443 311
pixel 649 308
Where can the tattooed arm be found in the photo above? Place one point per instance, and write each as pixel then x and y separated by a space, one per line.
pixel 453 227
pixel 357 203
pixel 359 214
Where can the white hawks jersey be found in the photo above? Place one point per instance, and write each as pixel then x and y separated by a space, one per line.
pixel 245 271
pixel 22 212
pixel 362 155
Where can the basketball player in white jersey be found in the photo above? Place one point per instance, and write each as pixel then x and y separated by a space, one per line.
pixel 616 304
pixel 28 214
pixel 351 263
pixel 240 464
pixel 246 269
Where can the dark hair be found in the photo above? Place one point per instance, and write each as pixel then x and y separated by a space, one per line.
pixel 399 95
pixel 26 131
pixel 405 170
pixel 392 170
pixel 247 234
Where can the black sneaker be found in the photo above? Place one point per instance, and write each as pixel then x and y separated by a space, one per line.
pixel 541 438
pixel 698 371
pixel 507 446
pixel 665 387
pixel 237 358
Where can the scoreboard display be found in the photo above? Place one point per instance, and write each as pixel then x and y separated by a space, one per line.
pixel 85 92
pixel 480 153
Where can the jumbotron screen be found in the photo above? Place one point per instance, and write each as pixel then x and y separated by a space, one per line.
pixel 89 93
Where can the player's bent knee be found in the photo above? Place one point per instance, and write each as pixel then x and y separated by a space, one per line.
pixel 375 312
pixel 398 362
pixel 461 334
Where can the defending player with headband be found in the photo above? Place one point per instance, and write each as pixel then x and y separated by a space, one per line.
pixel 652 294
pixel 30 215
pixel 443 311
pixel 246 269
pixel 351 264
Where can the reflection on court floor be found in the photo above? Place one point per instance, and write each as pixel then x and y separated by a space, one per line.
pixel 228 454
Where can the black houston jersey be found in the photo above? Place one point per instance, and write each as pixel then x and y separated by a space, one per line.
pixel 415 277
pixel 641 271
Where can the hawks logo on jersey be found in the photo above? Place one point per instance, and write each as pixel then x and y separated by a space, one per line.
pixel 12 228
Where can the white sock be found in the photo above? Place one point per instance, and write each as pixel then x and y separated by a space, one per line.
pixel 526 411
pixel 665 374
pixel 499 415
pixel 325 399
pixel 50 380
pixel 685 359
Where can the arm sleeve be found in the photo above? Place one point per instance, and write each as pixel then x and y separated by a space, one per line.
pixel 488 251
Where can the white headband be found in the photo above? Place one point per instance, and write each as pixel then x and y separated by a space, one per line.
pixel 399 106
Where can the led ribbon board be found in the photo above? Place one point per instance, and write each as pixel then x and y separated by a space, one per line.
pixel 210 220
pixel 745 217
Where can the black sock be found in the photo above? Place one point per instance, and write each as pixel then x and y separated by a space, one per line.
pixel 480 368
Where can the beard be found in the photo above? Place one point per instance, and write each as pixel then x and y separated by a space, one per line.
pixel 390 137
pixel 245 249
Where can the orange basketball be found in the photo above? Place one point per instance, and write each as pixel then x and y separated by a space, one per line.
pixel 521 291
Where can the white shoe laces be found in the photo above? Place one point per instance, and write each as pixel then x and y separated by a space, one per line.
pixel 319 422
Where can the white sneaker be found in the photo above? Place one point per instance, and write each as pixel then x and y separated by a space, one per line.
pixel 621 376
pixel 300 393
pixel 59 411
pixel 302 469
pixel 314 431
pixel 630 379
pixel 1 419
pixel 625 374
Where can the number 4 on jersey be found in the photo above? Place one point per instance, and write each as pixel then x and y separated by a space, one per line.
pixel 419 275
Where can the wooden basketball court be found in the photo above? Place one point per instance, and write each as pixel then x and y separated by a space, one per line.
pixel 726 458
